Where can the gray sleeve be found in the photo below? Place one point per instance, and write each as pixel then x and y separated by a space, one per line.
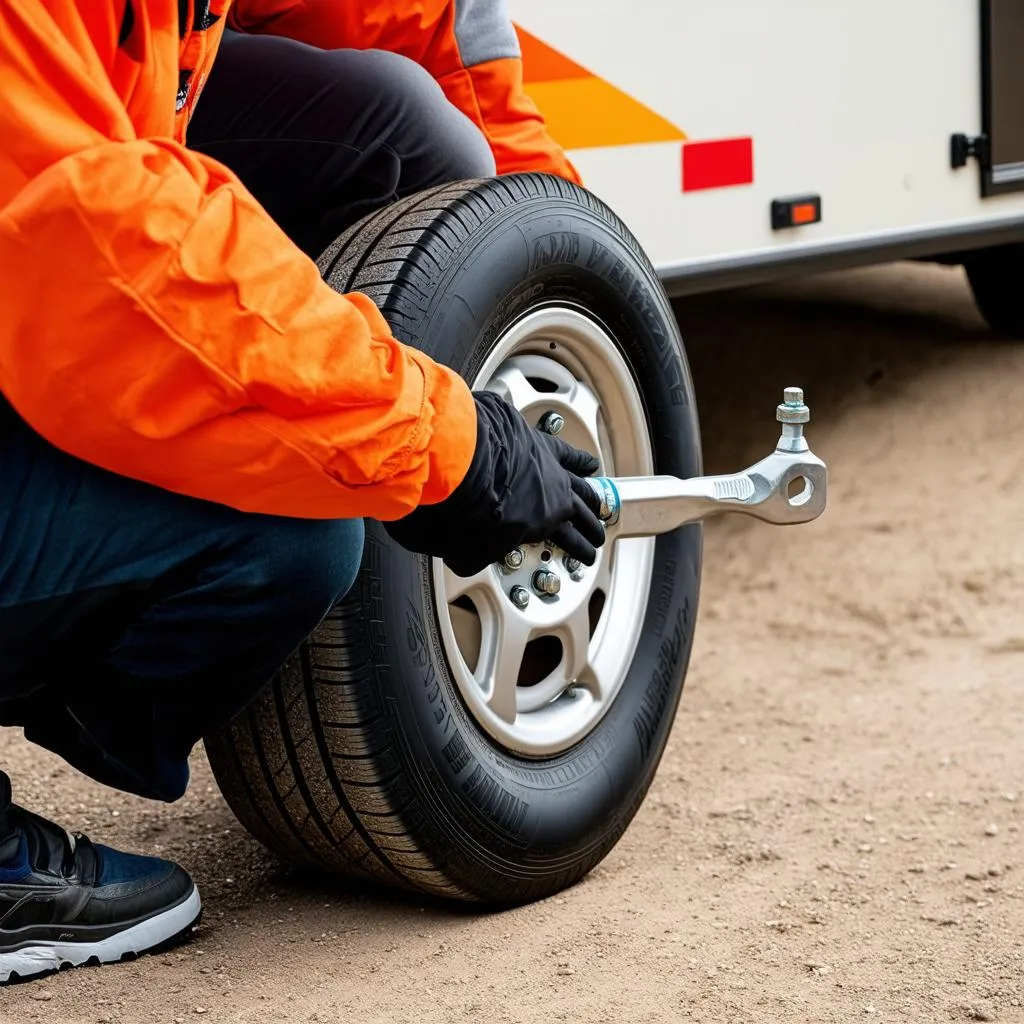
pixel 484 31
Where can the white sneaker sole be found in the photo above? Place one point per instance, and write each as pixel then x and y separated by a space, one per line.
pixel 52 956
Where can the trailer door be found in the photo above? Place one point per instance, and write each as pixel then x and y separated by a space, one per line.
pixel 1002 64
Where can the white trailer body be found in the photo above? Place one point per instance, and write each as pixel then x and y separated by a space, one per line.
pixel 691 118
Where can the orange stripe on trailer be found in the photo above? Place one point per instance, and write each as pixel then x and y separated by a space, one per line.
pixel 543 63
pixel 583 110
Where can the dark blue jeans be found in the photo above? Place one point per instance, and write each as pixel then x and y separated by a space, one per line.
pixel 132 620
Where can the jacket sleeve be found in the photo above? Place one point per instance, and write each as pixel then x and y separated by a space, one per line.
pixel 469 46
pixel 157 323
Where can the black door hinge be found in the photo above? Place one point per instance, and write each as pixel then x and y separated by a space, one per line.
pixel 963 147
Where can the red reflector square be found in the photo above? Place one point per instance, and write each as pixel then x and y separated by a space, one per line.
pixel 717 163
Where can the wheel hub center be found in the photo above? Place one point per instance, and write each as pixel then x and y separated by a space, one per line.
pixel 545 584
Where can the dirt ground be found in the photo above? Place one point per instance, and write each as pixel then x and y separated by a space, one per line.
pixel 835 830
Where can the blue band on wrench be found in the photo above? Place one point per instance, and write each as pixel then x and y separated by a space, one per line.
pixel 608 494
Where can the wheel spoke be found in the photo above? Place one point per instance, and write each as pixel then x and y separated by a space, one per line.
pixel 512 384
pixel 605 665
pixel 581 668
pixel 603 572
pixel 575 636
pixel 586 406
pixel 461 586
pixel 503 645
pixel 598 677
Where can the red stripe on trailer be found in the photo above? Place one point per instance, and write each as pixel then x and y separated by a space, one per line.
pixel 717 163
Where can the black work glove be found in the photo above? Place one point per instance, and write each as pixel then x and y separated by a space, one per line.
pixel 522 486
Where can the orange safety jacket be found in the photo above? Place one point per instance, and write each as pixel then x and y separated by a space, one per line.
pixel 156 322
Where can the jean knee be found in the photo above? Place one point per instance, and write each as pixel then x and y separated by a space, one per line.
pixel 309 563
pixel 469 154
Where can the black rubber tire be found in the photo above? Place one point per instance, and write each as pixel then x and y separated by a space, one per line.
pixel 361 757
pixel 995 276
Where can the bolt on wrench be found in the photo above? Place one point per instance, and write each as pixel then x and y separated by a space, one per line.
pixel 787 487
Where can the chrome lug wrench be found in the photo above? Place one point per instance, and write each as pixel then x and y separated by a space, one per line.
pixel 787 487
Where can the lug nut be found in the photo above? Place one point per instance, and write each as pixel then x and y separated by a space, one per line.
pixel 793 409
pixel 546 582
pixel 574 567
pixel 514 559
pixel 551 423
pixel 520 597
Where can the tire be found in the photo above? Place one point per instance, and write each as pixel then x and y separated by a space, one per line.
pixel 995 276
pixel 363 757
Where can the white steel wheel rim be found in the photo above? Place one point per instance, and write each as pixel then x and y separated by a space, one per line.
pixel 532 697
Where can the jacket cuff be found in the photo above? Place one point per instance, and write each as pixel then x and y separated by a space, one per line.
pixel 453 439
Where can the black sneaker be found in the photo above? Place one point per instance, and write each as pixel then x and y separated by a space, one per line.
pixel 65 901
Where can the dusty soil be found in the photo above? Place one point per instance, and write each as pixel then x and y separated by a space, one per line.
pixel 835 831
